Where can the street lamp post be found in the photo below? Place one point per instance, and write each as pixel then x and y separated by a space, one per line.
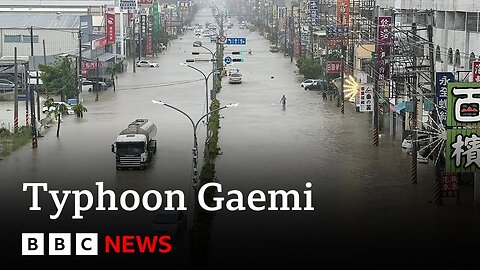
pixel 213 54
pixel 206 83
pixel 194 126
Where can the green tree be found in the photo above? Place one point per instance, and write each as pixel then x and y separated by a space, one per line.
pixel 56 110
pixel 310 69
pixel 113 72
pixel 60 78
pixel 79 109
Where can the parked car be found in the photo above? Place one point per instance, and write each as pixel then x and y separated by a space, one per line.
pixel 274 48
pixel 6 85
pixel 422 139
pixel 317 86
pixel 91 85
pixel 146 63
pixel 233 70
pixel 46 109
pixel 235 78
pixel 307 82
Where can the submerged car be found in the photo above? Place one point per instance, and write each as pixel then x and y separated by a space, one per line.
pixel 146 63
pixel 307 82
pixel 235 78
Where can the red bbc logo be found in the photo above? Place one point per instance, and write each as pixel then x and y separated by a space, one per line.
pixel 59 244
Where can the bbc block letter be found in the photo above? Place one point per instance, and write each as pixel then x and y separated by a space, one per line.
pixel 86 244
pixel 59 244
pixel 32 244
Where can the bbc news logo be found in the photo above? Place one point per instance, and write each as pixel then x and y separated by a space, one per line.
pixel 87 244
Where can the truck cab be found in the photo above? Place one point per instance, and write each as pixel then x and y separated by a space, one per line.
pixel 134 147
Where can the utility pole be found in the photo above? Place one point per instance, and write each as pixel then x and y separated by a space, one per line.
pixel 32 99
pixel 285 36
pixel 436 153
pixel 375 98
pixel 140 35
pixel 80 68
pixel 291 26
pixel 15 109
pixel 134 43
pixel 299 33
pixel 415 109
pixel 342 74
pixel 96 86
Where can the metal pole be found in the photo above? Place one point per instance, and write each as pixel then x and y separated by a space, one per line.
pixel 437 151
pixel 291 26
pixel 375 99
pixel 414 118
pixel 342 74
pixel 32 99
pixel 97 83
pixel 134 43
pixel 80 68
pixel 15 109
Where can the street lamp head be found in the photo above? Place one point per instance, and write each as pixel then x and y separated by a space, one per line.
pixel 233 105
pixel 158 102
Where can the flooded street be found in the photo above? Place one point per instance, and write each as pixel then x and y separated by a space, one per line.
pixel 365 205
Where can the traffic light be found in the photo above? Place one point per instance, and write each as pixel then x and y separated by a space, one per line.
pixel 238 53
pixel 237 60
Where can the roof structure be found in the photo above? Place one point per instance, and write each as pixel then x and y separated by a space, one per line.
pixel 48 21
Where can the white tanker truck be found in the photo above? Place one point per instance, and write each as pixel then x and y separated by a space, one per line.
pixel 135 146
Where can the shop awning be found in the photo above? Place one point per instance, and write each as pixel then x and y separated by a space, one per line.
pixel 400 106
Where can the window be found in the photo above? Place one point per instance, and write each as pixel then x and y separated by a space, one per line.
pixel 450 56
pixel 457 58
pixel 26 38
pixel 20 38
pixel 438 57
pixel 472 21
pixel 13 38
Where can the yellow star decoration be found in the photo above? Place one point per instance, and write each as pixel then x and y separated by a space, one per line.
pixel 350 89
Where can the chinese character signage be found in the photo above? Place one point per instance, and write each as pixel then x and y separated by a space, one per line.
pixel 463 133
pixel 143 24
pixel 145 2
pixel 449 184
pixel 149 46
pixel 110 29
pixel 334 66
pixel 476 71
pixel 366 98
pixel 313 12
pixel 128 4
pixel 156 22
pixel 441 81
pixel 463 105
pixel 384 39
pixel 343 9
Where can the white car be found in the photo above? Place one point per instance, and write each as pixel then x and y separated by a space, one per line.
pixel 422 140
pixel 235 78
pixel 233 70
pixel 307 82
pixel 146 63
pixel 70 111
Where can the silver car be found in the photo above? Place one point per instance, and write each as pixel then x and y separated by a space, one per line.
pixel 6 85
pixel 146 63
